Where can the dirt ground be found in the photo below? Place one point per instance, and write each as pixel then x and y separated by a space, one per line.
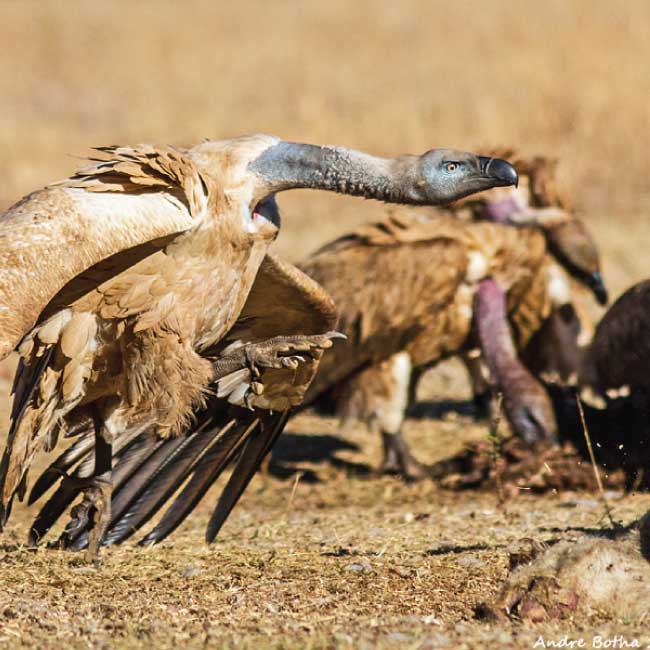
pixel 331 555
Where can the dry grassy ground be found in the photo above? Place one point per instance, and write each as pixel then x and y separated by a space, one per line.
pixel 351 560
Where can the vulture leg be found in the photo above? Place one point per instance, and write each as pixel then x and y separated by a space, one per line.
pixel 526 403
pixel 389 414
pixel 398 458
pixel 380 395
pixel 481 391
pixel 95 508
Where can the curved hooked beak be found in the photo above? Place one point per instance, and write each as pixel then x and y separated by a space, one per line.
pixel 597 285
pixel 499 170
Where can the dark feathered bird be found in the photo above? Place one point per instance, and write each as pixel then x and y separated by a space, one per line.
pixel 614 369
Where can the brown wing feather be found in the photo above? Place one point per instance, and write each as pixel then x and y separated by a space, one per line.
pixel 284 301
pixel 385 279
pixel 136 201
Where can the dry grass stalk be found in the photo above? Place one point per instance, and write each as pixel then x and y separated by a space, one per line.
pixel 601 491
pixel 495 440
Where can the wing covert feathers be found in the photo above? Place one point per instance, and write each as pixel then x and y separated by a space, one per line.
pixel 282 302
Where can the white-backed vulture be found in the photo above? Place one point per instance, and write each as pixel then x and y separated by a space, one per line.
pixel 116 282
pixel 492 276
pixel 397 330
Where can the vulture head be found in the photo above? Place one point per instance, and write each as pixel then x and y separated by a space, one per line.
pixel 445 175
pixel 572 245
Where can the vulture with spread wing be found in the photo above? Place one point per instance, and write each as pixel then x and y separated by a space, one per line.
pixel 122 285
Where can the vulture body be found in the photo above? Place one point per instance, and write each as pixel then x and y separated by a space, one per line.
pixel 122 287
pixel 402 314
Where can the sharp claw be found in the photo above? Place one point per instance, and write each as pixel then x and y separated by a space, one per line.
pixel 291 362
pixel 336 335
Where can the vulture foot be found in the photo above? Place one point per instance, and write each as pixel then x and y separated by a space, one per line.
pixel 93 513
pixel 398 459
pixel 238 373
pixel 286 351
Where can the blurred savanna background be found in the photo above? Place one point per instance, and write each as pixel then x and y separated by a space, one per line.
pixel 564 78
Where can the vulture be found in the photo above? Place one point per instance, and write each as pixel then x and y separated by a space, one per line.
pixel 503 293
pixel 496 289
pixel 127 291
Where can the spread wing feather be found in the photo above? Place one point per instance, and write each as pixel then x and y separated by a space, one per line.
pixel 284 301
pixel 91 226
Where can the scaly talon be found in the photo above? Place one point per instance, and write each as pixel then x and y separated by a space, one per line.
pixel 280 352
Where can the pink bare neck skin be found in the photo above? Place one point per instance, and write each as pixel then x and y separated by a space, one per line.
pixel 501 211
pixel 525 402
pixel 494 331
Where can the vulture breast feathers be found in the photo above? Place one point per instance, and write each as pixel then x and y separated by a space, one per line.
pixel 148 471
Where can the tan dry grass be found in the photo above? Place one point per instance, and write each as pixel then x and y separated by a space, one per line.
pixel 562 78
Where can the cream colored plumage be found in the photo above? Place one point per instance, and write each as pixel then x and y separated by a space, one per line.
pixel 131 344
pixel 284 309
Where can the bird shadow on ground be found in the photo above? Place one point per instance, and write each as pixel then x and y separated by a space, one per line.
pixel 454 549
pixel 437 410
pixel 292 449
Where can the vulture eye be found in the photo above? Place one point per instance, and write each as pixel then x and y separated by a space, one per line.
pixel 451 167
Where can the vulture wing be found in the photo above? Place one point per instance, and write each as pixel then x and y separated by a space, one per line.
pixel 148 472
pixel 66 239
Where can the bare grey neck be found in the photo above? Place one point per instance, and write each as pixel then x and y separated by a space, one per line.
pixel 290 165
